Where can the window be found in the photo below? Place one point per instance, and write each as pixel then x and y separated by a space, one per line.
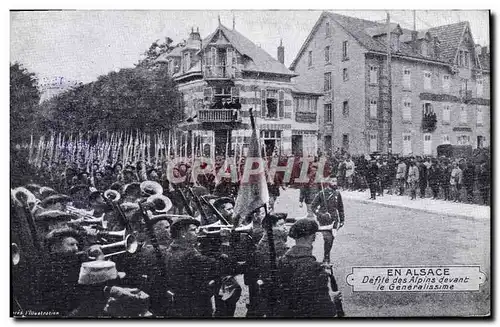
pixel 214 55
pixel 425 49
pixel 461 58
pixel 373 142
pixel 446 83
pixel 427 144
pixel 446 114
pixel 479 87
pixel 427 108
pixel 269 103
pixel 407 110
pixel 373 75
pixel 345 142
pixel 187 61
pixel 305 104
pixel 345 75
pixel 327 55
pixel 463 140
pixel 328 113
pixel 466 59
pixel 445 139
pixel 481 141
pixel 328 31
pixel 406 143
pixel 407 78
pixel 328 82
pixel 263 103
pixel 479 116
pixel 345 54
pixel 345 108
pixel 427 81
pixel 310 59
pixel 463 114
pixel 373 108
pixel 281 103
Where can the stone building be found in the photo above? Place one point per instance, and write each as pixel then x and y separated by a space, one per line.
pixel 439 91
pixel 224 75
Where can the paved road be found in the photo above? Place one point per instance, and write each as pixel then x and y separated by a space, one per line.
pixel 375 235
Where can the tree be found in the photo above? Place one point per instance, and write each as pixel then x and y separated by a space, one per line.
pixel 154 52
pixel 133 98
pixel 24 99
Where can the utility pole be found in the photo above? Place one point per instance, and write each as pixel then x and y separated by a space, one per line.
pixel 414 20
pixel 389 86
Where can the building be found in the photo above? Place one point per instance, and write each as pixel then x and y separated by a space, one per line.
pixel 438 93
pixel 224 75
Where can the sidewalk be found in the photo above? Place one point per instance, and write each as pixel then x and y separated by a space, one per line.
pixel 475 211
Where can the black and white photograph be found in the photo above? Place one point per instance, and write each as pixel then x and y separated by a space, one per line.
pixel 250 164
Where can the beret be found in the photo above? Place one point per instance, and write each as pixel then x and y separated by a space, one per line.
pixel 53 199
pixel 303 227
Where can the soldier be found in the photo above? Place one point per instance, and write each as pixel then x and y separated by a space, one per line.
pixel 190 273
pixel 304 283
pixel 329 209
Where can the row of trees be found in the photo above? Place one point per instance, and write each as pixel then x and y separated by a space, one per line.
pixel 143 97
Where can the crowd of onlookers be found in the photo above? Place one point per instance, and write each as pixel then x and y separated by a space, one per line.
pixel 449 179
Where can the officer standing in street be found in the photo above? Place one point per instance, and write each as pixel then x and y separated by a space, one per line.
pixel 329 209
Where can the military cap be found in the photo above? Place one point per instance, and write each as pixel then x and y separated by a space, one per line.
pixel 302 228
pixel 53 199
pixel 179 222
pixel 55 215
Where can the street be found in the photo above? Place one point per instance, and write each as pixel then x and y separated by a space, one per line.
pixel 376 235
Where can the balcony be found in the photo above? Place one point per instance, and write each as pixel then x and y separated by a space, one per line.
pixel 466 95
pixel 218 115
pixel 218 72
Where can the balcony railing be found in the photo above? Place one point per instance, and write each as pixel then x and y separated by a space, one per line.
pixel 219 71
pixel 218 115
pixel 466 95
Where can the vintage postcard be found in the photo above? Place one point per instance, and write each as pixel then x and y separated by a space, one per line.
pixel 250 164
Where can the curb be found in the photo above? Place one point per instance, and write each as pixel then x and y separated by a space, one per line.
pixel 388 205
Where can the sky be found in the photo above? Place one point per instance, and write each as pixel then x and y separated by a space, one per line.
pixel 82 45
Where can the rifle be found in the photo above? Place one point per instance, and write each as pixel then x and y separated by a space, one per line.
pixel 333 285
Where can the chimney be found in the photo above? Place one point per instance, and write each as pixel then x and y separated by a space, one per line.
pixel 195 35
pixel 281 52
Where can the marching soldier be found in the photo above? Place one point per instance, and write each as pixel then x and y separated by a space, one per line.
pixel 329 209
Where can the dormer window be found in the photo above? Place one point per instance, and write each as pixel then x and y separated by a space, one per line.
pixel 395 42
pixel 425 49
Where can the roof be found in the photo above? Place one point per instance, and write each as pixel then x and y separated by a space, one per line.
pixel 363 30
pixel 260 60
pixel 450 37
pixel 304 89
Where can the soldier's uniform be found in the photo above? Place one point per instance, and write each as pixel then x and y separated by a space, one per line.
pixel 329 207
